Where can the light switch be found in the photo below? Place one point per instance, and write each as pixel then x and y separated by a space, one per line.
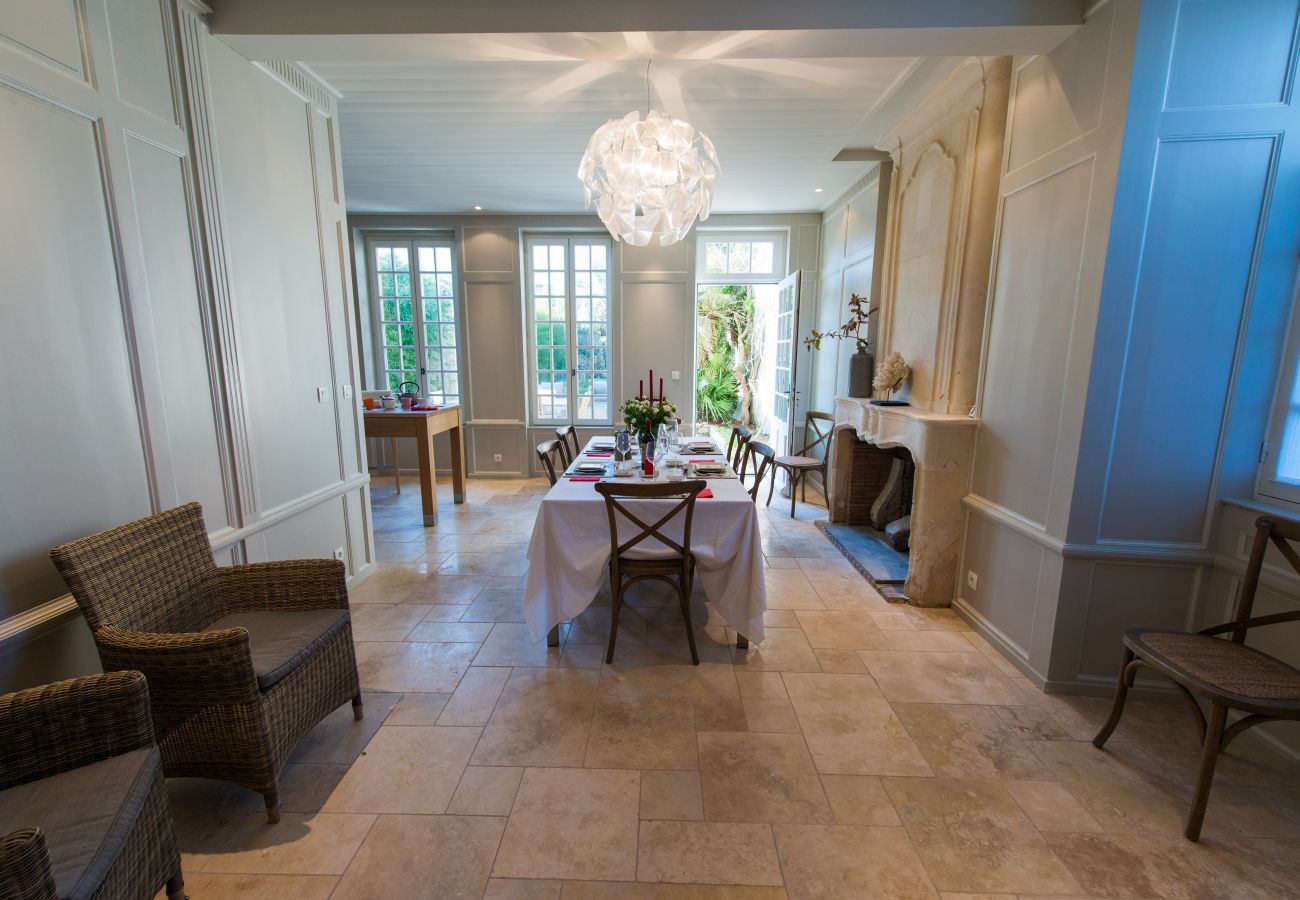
pixel 677 376
pixel 322 394
pixel 347 392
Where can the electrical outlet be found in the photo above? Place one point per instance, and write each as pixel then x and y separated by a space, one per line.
pixel 973 580
pixel 338 553
pixel 322 394
pixel 677 376
pixel 347 392
pixel 496 457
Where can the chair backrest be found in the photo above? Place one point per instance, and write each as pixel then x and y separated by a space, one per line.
pixel 568 437
pixel 740 436
pixel 765 455
pixel 817 430
pixel 685 492
pixel 547 451
pixel 144 575
pixel 1282 533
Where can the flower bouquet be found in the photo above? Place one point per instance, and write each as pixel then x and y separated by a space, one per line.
pixel 637 411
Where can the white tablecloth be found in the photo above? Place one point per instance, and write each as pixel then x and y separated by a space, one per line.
pixel 569 553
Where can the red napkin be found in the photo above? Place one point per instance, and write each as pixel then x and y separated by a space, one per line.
pixel 705 494
pixel 708 461
pixel 597 454
pixel 584 478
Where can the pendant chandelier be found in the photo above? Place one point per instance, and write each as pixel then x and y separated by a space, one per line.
pixel 649 178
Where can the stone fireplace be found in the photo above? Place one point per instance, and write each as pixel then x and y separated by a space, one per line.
pixel 940 447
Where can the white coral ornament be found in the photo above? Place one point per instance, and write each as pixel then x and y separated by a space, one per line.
pixel 890 373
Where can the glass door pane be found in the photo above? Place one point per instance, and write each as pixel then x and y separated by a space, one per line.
pixel 591 330
pixel 549 283
pixel 392 267
pixel 437 288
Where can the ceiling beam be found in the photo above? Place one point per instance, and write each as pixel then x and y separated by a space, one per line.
pixel 394 17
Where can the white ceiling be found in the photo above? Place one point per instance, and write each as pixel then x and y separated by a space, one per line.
pixel 445 136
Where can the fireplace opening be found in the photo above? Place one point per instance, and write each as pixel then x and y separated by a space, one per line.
pixel 874 531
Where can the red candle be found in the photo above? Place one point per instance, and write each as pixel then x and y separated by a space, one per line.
pixel 661 390
pixel 652 385
pixel 640 390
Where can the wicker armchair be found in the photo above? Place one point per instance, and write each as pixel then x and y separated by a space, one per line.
pixel 242 661
pixel 82 795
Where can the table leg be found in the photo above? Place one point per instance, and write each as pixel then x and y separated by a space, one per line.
pixel 742 642
pixel 392 457
pixel 428 487
pixel 553 637
pixel 457 464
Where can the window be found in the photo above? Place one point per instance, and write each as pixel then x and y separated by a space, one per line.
pixel 1279 475
pixel 569 323
pixel 741 257
pixel 414 286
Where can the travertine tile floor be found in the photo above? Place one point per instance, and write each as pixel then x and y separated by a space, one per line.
pixel 865 750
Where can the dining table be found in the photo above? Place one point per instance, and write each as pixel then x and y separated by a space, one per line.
pixel 569 554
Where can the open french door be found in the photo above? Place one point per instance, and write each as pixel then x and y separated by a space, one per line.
pixel 784 425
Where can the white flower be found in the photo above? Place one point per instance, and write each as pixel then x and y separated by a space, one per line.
pixel 891 372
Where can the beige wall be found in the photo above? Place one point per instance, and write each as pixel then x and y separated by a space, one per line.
pixel 653 308
pixel 177 294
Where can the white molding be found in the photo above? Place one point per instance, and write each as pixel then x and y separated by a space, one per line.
pixel 1014 521
pixel 225 538
pixel 31 622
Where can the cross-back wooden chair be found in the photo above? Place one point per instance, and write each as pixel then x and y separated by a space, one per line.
pixel 817 431
pixel 736 458
pixel 1227 673
pixel 548 452
pixel 567 435
pixel 650 554
pixel 763 455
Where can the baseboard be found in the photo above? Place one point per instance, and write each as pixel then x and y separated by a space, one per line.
pixel 1010 650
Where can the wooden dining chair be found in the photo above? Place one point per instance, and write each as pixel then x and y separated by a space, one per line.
pixel 567 435
pixel 763 456
pixel 1227 673
pixel 818 427
pixel 650 554
pixel 740 436
pixel 548 452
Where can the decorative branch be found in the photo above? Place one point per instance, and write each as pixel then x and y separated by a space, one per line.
pixel 850 329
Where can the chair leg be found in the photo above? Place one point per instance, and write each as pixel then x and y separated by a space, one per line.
pixel 553 636
pixel 794 483
pixel 771 486
pixel 272 799
pixel 358 710
pixel 613 621
pixel 1126 672
pixel 176 887
pixel 684 591
pixel 1205 775
pixel 803 488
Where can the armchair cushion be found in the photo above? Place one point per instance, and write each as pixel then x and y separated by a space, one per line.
pixel 86 815
pixel 279 641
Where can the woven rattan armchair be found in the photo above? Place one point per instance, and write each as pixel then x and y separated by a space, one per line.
pixel 82 797
pixel 1226 673
pixel 242 661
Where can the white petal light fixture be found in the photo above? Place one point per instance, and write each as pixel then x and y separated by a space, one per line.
pixel 650 179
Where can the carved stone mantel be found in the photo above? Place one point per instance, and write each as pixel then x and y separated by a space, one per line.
pixel 941 445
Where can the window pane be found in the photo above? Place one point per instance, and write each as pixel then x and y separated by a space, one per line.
pixel 451 382
pixel 430 308
pixel 408 335
pixel 404 313
pixel 448 334
pixel 447 310
pixel 386 285
pixel 558 335
pixel 598 283
pixel 557 257
pixel 582 284
pixel 428 286
pixel 388 310
pixel 383 258
pixel 443 257
pixel 401 259
pixel 393 357
pixel 390 334
pixel 543 359
pixel 539 256
pixel 403 285
pixel 444 285
pixel 715 257
pixel 408 359
pixel 738 258
pixel 449 359
pixel 432 359
pixel 598 256
pixel 425 257
pixel 543 335
pixel 762 261
pixel 558 355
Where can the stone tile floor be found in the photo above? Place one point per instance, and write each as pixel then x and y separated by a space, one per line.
pixel 864 750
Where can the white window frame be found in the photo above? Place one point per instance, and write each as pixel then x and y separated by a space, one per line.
pixel 1286 400
pixel 425 375
pixel 780 256
pixel 569 240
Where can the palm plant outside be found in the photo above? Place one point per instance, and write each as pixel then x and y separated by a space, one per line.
pixel 726 363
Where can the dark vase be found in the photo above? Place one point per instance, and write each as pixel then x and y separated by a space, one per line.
pixel 862 368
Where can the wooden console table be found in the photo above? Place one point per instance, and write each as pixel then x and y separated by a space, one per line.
pixel 422 425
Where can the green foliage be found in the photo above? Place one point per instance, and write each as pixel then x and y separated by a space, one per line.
pixel 716 389
pixel 725 361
